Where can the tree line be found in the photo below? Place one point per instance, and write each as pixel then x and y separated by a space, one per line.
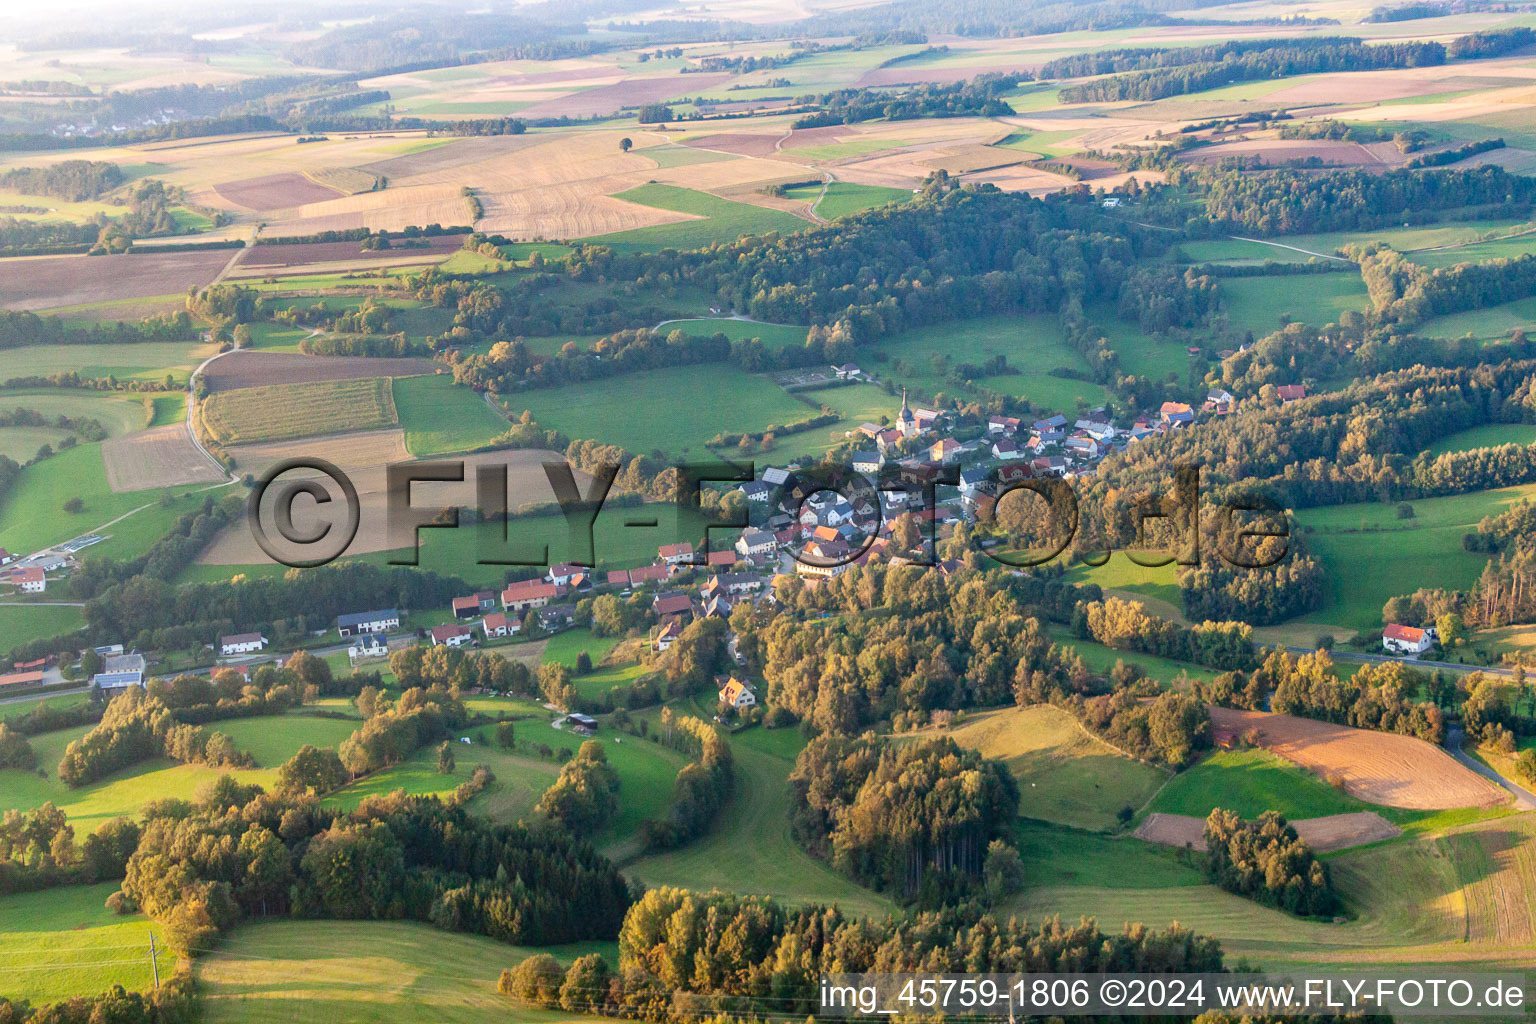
pixel 1265 861
pixel 701 788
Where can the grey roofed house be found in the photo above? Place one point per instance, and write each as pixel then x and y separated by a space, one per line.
pixel 121 671
pixel 775 476
pixel 367 621
pixel 756 490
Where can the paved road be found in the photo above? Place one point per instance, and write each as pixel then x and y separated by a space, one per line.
pixel 1449 666
pixel 1525 800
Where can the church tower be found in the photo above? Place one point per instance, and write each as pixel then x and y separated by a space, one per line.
pixel 906 423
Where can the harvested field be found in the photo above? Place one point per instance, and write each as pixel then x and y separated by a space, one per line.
pixel 363 457
pixel 346 180
pixel 823 136
pixel 276 191
pixel 1324 835
pixel 724 174
pixel 48 282
pixel 456 153
pixel 256 369
pixel 1275 151
pixel 1377 86
pixel 911 74
pixel 328 252
pixel 740 143
pixel 962 159
pixel 630 92
pixel 392 209
pixel 159 457
pixel 1380 768
pixel 285 411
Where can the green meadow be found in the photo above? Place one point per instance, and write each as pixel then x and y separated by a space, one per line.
pixel 1260 304
pixel 21 624
pixel 64 942
pixel 1251 782
pixel 719 221
pixel 440 417
pixel 844 197
pixel 1494 323
pixel 144 360
pixel 773 336
pixel 1491 436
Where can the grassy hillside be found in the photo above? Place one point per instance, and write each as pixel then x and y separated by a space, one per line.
pixel 440 418
pixel 65 942
pixel 1251 782
pixel 720 221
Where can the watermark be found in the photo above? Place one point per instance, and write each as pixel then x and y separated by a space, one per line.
pixel 306 512
pixel 1425 994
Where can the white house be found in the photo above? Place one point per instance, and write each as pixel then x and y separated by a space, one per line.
pixel 670 631
pixel 529 594
pixel 368 622
pixel 241 643
pixel 867 463
pixel 497 624
pixel 754 542
pixel 735 694
pixel 370 645
pixel 1006 449
pixel 675 554
pixel 1407 640
pixel 31 581
pixel 560 575
pixel 451 636
pixel 847 371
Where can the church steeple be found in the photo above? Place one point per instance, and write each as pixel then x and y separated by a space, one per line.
pixel 906 423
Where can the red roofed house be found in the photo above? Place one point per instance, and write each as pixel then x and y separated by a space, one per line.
pixel 944 451
pixel 670 631
pixel 32 678
pixel 529 594
pixel 497 624
pixel 1177 414
pixel 649 574
pixel 676 554
pixel 1291 393
pixel 618 578
pixel 31 581
pixel 722 559
pixel 1408 640
pixel 452 636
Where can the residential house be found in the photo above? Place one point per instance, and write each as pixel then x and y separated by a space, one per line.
pixel 1291 393
pixel 1219 401
pixel 1006 449
pixel 563 574
pixel 753 543
pixel 1084 448
pixel 497 624
pixel 650 574
pixel 756 490
pixel 736 695
pixel 672 604
pixel 370 645
pixel 451 636
pixel 722 559
pixel 557 617
pixel 242 643
pixel 1176 414
pixel 1409 640
pixel 359 623
pixel 667 635
pixel 31 581
pixel 847 371
pixel 973 482
pixel 1049 465
pixel 865 463
pixel 529 594
pixel 945 451
pixel 1004 424
pixel 676 554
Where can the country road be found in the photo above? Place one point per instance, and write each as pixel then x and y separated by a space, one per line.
pixel 1525 800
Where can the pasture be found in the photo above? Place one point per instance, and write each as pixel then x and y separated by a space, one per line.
pixel 440 418
pixel 366 972
pixel 22 443
pixel 282 412
pixel 1369 555
pixel 1065 775
pixel 675 410
pixel 144 360
pixel 1494 323
pixel 1263 304
pixel 929 359
pixel 773 336
pixel 23 623
pixel 64 942
pixel 1251 782
pixel 118 412
pixel 1491 436
pixel 843 198
pixel 273 739
pixel 713 221
pixel 1141 354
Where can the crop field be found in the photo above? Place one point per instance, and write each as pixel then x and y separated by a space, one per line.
pixel 926 358
pixel 366 972
pixel 676 410
pixel 64 942
pixel 281 412
pixel 244 369
pixel 1429 546
pixel 54 282
pixel 156 458
pixel 439 417
pixel 1324 835
pixel 275 191
pixel 1377 767
pixel 1065 775
pixel 1491 436
pixel 1251 782
pixel 1259 303
pixel 712 220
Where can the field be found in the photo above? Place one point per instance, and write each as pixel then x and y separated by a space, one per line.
pixel 158 457
pixel 118 413
pixel 1323 835
pixel 926 358
pixel 440 418
pixel 1065 775
pixel 273 739
pixel 23 623
pixel 275 191
pixel 1260 304
pixel 1251 782
pixel 22 443
pixel 282 412
pixel 242 369
pixel 712 220
pixel 366 972
pixel 674 410
pixel 145 360
pixel 1491 436
pixel 1495 323
pixel 773 336
pixel 1395 552
pixel 54 282
pixel 842 198
pixel 1140 354
pixel 1379 768
pixel 64 942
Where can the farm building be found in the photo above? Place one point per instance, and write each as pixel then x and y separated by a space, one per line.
pixel 1176 414
pixel 649 574
pixel 847 371
pixel 529 594
pixel 451 636
pixel 358 623
pixel 1408 640
pixel 120 672
pixel 32 678
pixel 466 607
pixel 584 724
pixel 242 643
pixel 31 581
